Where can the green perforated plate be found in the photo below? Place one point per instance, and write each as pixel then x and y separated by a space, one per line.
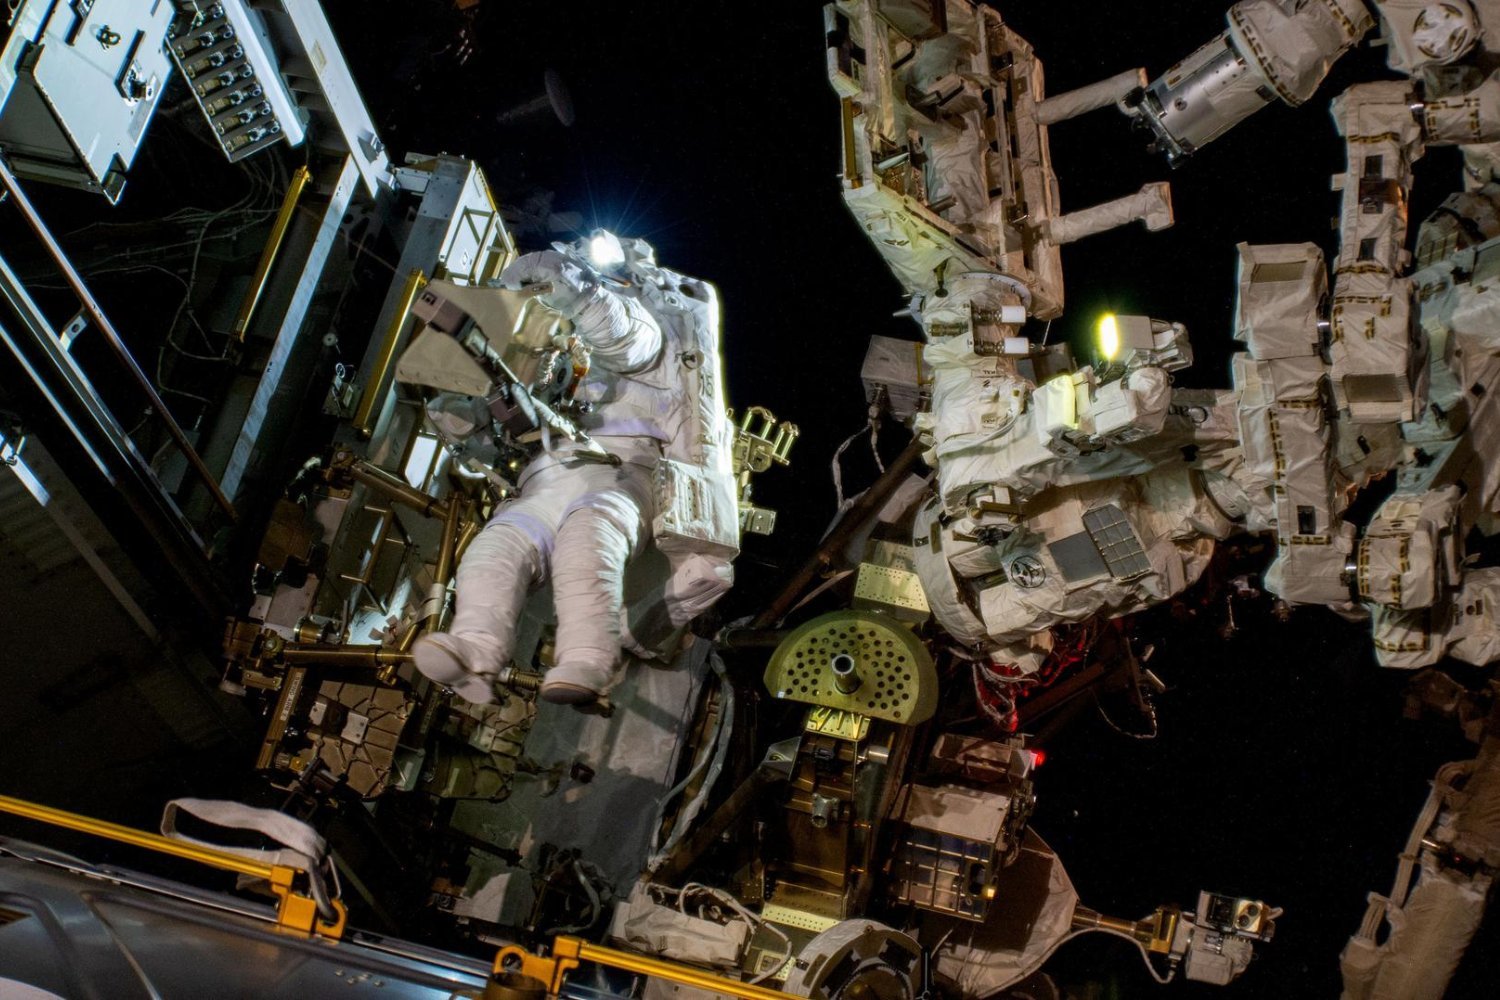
pixel 898 681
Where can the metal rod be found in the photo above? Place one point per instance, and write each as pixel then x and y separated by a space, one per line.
pixel 470 532
pixel 102 456
pixel 1086 919
pixel 670 971
pixel 345 656
pixel 1058 694
pixel 268 256
pixel 396 489
pixel 751 638
pixel 866 507
pixel 456 507
pixel 137 838
pixel 122 352
pixel 367 414
pixel 688 850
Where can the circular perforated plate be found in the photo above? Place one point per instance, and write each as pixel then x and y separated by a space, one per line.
pixel 898 681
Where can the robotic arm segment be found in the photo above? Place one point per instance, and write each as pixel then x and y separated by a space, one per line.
pixel 1152 205
pixel 1464 119
pixel 1273 48
pixel 1419 33
pixel 1452 852
pixel 1072 103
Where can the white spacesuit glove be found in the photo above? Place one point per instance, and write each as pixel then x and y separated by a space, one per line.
pixel 573 284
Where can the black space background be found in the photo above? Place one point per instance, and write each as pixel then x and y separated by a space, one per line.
pixel 1283 769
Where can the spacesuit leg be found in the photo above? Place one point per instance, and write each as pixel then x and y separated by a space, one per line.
pixel 600 533
pixel 498 572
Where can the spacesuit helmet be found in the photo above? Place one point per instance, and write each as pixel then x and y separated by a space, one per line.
pixel 609 254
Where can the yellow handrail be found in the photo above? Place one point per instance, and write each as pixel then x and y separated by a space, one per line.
pixel 567 952
pixel 272 248
pixel 295 911
pixel 368 413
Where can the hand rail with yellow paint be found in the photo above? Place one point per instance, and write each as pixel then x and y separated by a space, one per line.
pixel 567 952
pixel 295 911
pixel 367 415
pixel 272 249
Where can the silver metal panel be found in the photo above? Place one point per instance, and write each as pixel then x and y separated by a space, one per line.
pixel 454 193
pixel 290 331
pixel 323 64
pixel 225 52
pixel 43 517
pixel 79 85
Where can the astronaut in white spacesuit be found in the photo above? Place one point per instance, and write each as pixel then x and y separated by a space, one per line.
pixel 652 403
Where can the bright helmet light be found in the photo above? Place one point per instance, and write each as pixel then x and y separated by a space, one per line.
pixel 1109 337
pixel 605 250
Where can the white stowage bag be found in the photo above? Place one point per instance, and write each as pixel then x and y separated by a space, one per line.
pixel 1475 630
pixel 1464 119
pixel 1281 291
pixel 656 929
pixel 1409 555
pixel 975 403
pixel 980 960
pixel 1429 935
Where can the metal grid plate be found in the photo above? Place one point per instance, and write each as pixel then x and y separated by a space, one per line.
pixel 1117 542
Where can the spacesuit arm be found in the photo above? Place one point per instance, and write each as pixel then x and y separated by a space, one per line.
pixel 622 335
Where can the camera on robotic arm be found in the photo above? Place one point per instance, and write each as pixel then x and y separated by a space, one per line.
pixel 1127 343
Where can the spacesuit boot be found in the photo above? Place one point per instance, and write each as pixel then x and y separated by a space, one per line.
pixel 577 521
pixel 593 546
pixel 502 566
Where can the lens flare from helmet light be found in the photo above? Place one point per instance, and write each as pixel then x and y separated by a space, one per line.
pixel 1109 337
pixel 605 250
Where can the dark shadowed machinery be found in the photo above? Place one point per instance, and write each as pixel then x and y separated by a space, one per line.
pixel 269 390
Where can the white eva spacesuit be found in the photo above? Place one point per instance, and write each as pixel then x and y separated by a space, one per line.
pixel 651 399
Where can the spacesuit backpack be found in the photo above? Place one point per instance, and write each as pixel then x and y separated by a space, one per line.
pixel 697 510
pixel 696 523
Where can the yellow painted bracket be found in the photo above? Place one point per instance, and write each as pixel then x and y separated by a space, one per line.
pixel 368 413
pixel 568 952
pixel 295 911
pixel 272 249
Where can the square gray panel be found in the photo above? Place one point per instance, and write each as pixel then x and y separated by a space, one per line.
pixel 1117 542
pixel 1078 558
